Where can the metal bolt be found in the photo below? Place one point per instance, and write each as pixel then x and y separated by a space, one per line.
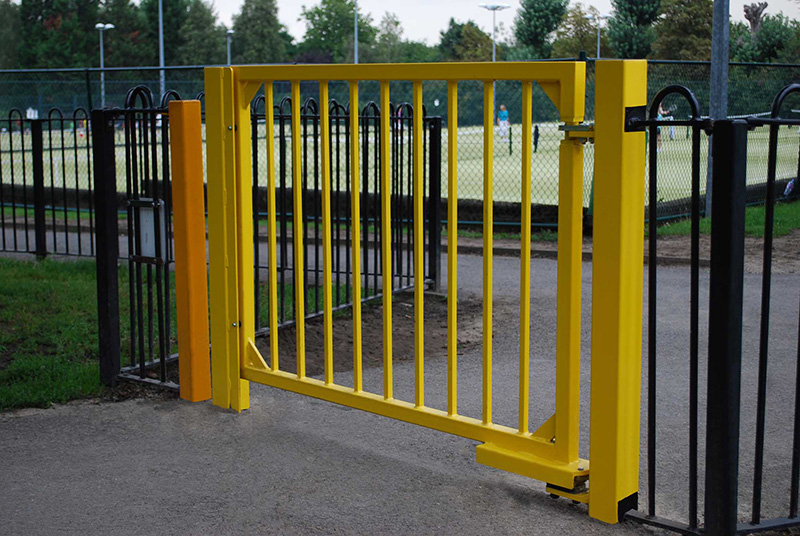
pixel 580 468
pixel 233 324
pixel 230 127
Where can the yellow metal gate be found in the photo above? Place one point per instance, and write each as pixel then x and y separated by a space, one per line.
pixel 550 453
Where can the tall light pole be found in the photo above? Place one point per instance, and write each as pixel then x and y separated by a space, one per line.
pixel 494 8
pixel 228 36
pixel 102 27
pixel 355 40
pixel 599 20
pixel 161 46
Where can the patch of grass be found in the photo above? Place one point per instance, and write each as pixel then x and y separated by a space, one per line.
pixel 787 219
pixel 544 235
pixel 48 332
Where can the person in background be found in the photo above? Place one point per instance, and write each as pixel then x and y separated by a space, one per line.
pixel 535 138
pixel 502 122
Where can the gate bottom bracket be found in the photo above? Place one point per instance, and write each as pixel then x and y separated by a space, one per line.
pixel 567 476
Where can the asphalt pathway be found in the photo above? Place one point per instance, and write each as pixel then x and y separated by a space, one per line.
pixel 295 465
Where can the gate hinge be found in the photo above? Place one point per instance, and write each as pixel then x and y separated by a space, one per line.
pixel 583 132
pixel 635 118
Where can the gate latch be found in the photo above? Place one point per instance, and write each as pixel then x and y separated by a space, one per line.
pixel 636 118
pixel 583 132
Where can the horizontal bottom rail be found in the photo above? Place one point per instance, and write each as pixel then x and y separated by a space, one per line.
pixel 534 452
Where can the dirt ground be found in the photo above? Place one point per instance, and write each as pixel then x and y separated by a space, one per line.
pixel 785 251
pixel 469 334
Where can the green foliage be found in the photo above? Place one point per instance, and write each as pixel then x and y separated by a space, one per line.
pixel 464 42
pixel 124 44
pixel 175 13
pixel 389 40
pixel 777 39
pixel 258 37
pixel 631 27
pixel 535 23
pixel 58 33
pixel 202 39
pixel 684 30
pixel 9 34
pixel 579 32
pixel 787 219
pixel 329 32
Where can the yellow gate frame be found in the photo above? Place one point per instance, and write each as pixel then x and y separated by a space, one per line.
pixel 550 453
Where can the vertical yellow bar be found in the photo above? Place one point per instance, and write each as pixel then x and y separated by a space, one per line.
pixel 297 193
pixel 272 227
pixel 355 219
pixel 568 302
pixel 243 227
pixel 386 241
pixel 452 247
pixel 191 283
pixel 327 294
pixel 525 260
pixel 488 200
pixel 228 390
pixel 617 290
pixel 419 254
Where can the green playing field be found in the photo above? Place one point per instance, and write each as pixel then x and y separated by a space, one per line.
pixel 70 167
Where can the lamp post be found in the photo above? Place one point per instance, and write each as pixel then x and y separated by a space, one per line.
pixel 494 8
pixel 102 27
pixel 161 46
pixel 228 36
pixel 599 20
pixel 355 40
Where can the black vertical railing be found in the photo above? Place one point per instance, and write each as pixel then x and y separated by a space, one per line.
pixel 107 245
pixel 725 327
pixel 40 225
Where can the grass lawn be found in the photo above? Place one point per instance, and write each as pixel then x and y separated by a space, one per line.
pixel 48 332
pixel 673 162
pixel 787 219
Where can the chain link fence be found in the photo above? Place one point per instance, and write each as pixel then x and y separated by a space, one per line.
pixel 752 87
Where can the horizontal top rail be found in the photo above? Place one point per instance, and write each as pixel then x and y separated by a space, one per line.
pixel 539 71
pixel 564 82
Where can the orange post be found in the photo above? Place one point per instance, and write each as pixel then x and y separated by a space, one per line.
pixel 191 287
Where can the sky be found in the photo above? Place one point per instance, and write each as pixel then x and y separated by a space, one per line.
pixel 422 20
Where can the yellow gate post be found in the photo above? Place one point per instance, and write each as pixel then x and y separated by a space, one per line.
pixel 191 291
pixel 229 390
pixel 617 278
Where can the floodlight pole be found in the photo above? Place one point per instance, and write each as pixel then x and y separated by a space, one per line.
pixel 718 95
pixel 355 40
pixel 161 47
pixel 494 8
pixel 102 27
pixel 228 36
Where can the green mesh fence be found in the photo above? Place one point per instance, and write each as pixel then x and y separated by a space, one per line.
pixel 752 88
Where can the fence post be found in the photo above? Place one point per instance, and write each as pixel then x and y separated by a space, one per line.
pixel 107 240
pixel 40 230
pixel 191 291
pixel 617 275
pixel 725 326
pixel 435 204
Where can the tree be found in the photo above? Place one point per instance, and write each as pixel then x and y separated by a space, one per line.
pixel 9 34
pixel 329 30
pixel 202 37
pixel 684 30
pixel 534 24
pixel 464 42
pixel 257 37
pixel 124 45
pixel 578 32
pixel 389 41
pixel 175 13
pixel 58 33
pixel 772 41
pixel 630 29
